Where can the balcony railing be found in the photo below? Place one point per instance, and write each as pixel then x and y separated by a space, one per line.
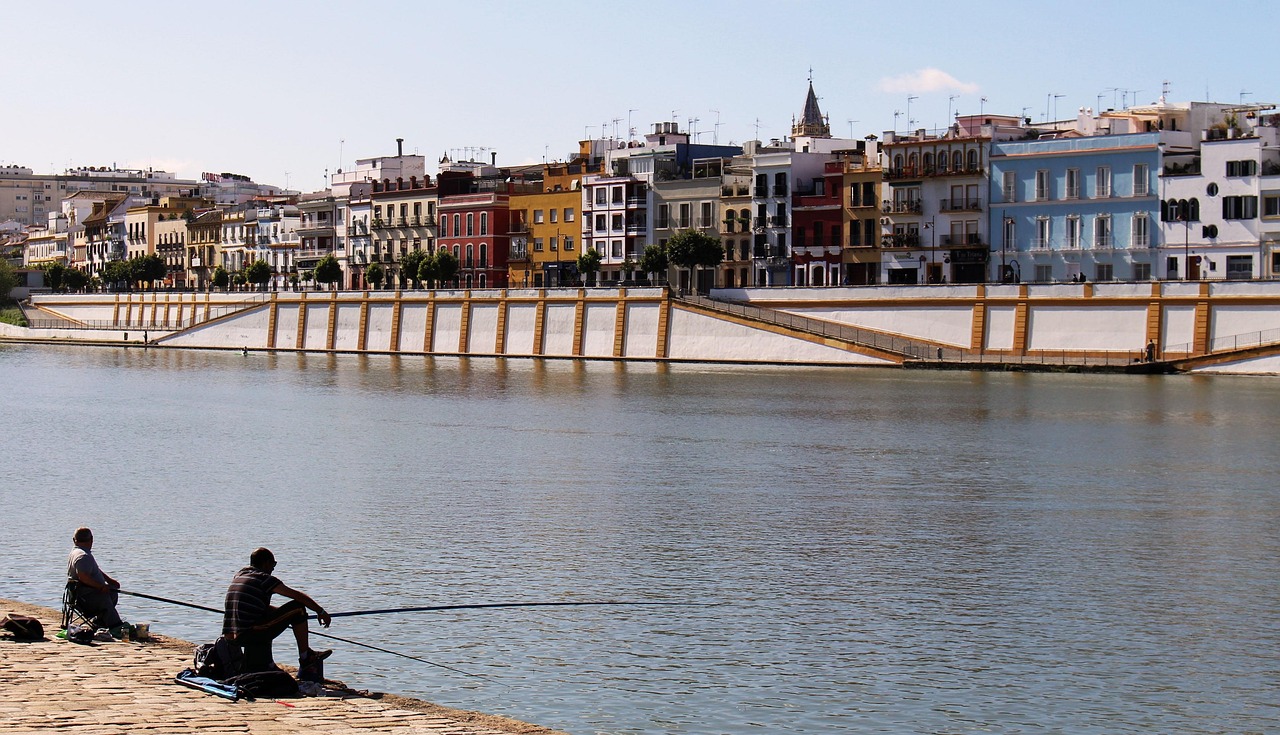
pixel 902 240
pixel 760 192
pixel 960 205
pixel 776 221
pixel 634 228
pixel 780 190
pixel 908 207
pixel 1102 242
pixel 1039 243
pixel 965 240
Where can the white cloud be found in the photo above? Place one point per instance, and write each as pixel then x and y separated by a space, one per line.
pixel 926 80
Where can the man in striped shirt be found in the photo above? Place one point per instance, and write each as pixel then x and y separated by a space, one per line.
pixel 250 618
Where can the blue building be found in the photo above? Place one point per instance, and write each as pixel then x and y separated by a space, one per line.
pixel 1071 207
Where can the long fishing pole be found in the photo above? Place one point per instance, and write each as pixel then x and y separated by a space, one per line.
pixel 433 608
pixel 313 632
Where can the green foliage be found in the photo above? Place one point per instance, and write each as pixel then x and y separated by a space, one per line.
pixel 53 274
pixel 74 279
pixel 589 263
pixel 693 249
pixel 8 279
pixel 328 271
pixel 258 272
pixel 446 266
pixel 654 259
pixel 115 272
pixel 411 266
pixel 221 278
pixel 375 274
pixel 13 315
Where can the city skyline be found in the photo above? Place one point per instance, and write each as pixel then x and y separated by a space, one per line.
pixel 285 92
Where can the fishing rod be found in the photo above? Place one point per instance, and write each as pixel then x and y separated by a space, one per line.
pixel 313 632
pixel 434 608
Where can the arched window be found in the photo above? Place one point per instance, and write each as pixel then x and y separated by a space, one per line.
pixel 444 225
pixel 912 161
pixel 483 280
pixel 928 163
pixel 484 223
pixel 942 161
pixel 973 160
pixel 1193 210
pixel 471 224
pixel 457 225
pixel 457 252
pixel 484 252
pixel 897 161
pixel 471 255
pixel 957 161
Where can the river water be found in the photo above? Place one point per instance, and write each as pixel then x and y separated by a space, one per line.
pixel 865 550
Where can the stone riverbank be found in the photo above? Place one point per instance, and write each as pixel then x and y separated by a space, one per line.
pixel 119 687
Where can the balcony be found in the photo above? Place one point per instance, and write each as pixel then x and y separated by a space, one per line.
pixel 776 221
pixel 518 228
pixel 780 190
pixel 902 240
pixel 1102 242
pixel 1039 243
pixel 907 207
pixel 760 192
pixel 971 239
pixel 636 228
pixel 637 201
pixel 761 222
pixel 960 205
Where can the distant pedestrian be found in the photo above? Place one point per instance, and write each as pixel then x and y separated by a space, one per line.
pixel 1151 351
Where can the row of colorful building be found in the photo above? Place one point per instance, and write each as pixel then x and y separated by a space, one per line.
pixel 1161 191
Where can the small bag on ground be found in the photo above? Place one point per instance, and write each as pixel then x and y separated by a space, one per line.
pixel 219 660
pixel 270 683
pixel 23 627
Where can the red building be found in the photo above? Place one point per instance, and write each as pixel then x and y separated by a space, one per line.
pixel 474 224
pixel 817 227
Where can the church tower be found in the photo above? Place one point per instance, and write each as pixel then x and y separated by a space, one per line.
pixel 812 123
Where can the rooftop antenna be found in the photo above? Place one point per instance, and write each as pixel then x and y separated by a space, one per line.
pixel 1242 94
pixel 1056 97
pixel 631 132
pixel 950 99
pixel 757 128
pixel 715 135
pixel 1113 91
pixel 1024 112
pixel 341 143
pixel 896 114
pixel 693 128
pixel 1164 90
pixel 851 122
pixel 910 121
pixel 673 115
pixel 982 106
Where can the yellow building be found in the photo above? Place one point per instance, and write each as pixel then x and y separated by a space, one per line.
pixel 545 229
pixel 860 251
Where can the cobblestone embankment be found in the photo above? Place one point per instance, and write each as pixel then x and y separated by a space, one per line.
pixel 118 687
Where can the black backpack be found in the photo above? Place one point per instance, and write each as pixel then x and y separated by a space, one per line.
pixel 270 683
pixel 219 660
pixel 23 627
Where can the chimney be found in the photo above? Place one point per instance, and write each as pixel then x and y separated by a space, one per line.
pixel 399 147
pixel 493 158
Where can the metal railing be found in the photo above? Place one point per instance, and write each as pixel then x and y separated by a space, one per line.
pixel 914 349
pixel 199 317
pixel 1229 343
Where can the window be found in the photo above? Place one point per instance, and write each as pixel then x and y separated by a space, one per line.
pixel 417 209
pixel 707 214
pixel 1009 186
pixel 957 161
pixel 377 212
pixel 1141 231
pixel 554 242
pixel 457 225
pixel 973 160
pixel 1102 184
pixel 1141 180
pixel 554 218
pixel 617 195
pixel 1242 168
pixel 471 224
pixel 615 249
pixel 869 231
pixel 537 244
pixel 602 223
pixel 943 160
pixel 686 211
pixel 1142 271
pixel 1073 183
pixel 568 214
pixel 1073 231
pixel 568 243
pixel 1044 273
pixel 1042 234
pixel 616 223
pixel 1239 267
pixel 1102 231
pixel 1241 207
pixel 444 225
pixel 537 216
pixel 1103 272
pixel 1042 185
pixel 484 223
pixel 855 234
pixel 1271 205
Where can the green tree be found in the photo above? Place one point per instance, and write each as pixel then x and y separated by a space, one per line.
pixel 8 279
pixel 375 274
pixel 74 279
pixel 411 266
pixel 114 273
pixel 238 279
pixel 328 271
pixel 589 264
pixel 221 278
pixel 654 260
pixel 693 250
pixel 53 275
pixel 153 269
pixel 258 272
pixel 445 267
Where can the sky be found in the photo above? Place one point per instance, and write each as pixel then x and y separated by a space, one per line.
pixel 286 91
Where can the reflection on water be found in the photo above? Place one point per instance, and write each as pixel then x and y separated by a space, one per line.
pixel 878 551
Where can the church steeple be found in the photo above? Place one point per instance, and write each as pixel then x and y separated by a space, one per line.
pixel 812 122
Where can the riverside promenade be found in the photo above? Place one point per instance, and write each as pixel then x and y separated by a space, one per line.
pixel 119 687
